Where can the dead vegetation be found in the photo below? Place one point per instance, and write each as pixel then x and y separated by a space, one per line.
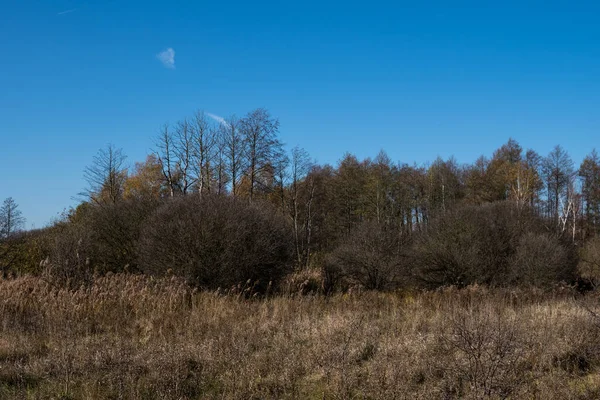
pixel 133 337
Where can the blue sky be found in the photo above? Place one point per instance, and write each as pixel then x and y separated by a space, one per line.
pixel 418 79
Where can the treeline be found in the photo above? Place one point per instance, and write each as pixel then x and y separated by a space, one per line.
pixel 221 203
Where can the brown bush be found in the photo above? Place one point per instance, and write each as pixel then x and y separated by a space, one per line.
pixel 115 230
pixel 217 242
pixel 22 252
pixel 68 261
pixel 488 245
pixel 589 265
pixel 540 260
pixel 97 239
pixel 374 256
pixel 489 356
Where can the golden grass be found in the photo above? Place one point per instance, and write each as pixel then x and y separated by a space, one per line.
pixel 131 337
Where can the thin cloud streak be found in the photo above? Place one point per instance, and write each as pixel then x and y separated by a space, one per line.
pixel 167 58
pixel 220 120
pixel 66 11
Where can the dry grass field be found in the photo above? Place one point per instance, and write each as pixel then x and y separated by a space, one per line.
pixel 131 337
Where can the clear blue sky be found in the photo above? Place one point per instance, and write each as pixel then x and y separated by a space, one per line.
pixel 418 79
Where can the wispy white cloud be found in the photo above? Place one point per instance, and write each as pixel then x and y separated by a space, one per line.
pixel 220 120
pixel 66 11
pixel 167 58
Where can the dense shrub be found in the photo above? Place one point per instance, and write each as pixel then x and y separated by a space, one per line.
pixel 98 239
pixel 589 265
pixel 115 231
pixel 217 242
pixel 22 252
pixel 540 260
pixel 373 256
pixel 69 258
pixel 495 244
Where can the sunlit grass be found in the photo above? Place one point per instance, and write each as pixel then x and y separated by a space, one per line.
pixel 137 338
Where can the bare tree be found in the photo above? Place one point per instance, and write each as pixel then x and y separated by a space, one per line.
pixel 184 152
pixel 300 166
pixel 280 179
pixel 380 190
pixel 233 147
pixel 558 173
pixel 166 157
pixel 262 148
pixel 533 164
pixel 106 176
pixel 444 184
pixel 206 151
pixel 11 219
pixel 220 161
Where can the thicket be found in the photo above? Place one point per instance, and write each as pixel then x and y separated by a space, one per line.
pixel 96 239
pixel 374 256
pixel 217 242
pixel 222 204
pixel 220 242
pixel 498 244
pixel 212 242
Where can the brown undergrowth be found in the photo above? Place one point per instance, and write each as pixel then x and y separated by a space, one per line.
pixel 132 337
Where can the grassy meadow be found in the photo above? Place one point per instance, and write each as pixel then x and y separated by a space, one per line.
pixel 133 337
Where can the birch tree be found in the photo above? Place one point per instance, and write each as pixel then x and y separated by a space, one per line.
pixel 300 165
pixel 233 149
pixel 558 172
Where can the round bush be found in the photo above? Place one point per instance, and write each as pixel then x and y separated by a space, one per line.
pixel 373 256
pixel 540 260
pixel 497 244
pixel 216 241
